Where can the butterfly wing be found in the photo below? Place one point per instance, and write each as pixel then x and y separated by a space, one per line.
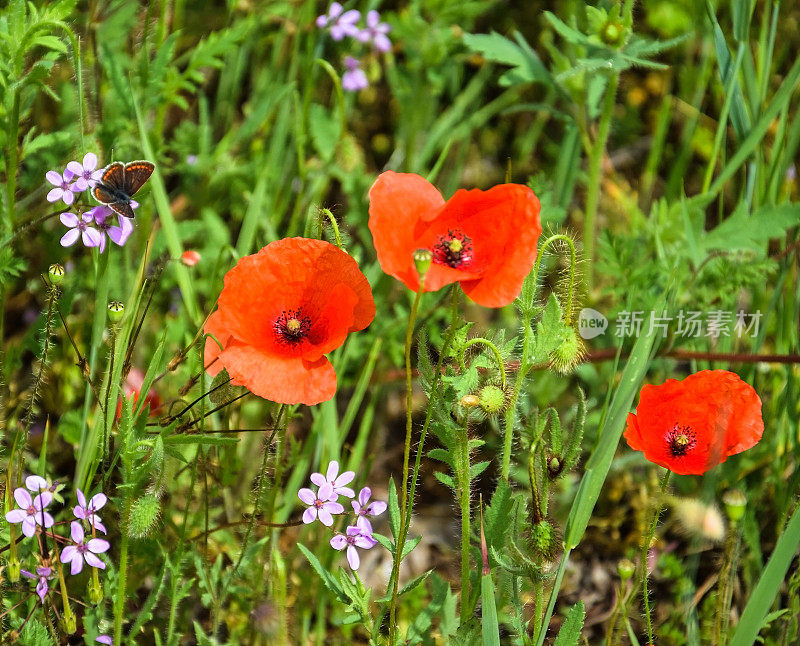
pixel 123 208
pixel 136 174
pixel 114 177
pixel 102 194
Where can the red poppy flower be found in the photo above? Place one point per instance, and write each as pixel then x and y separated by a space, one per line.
pixel 280 311
pixel 693 425
pixel 485 240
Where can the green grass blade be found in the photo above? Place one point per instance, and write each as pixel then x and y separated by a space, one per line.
pixel 768 585
pixel 490 629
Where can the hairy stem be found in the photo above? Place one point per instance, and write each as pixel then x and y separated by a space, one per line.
pixel 645 550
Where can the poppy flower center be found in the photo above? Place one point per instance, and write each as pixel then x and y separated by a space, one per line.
pixel 291 327
pixel 681 440
pixel 453 250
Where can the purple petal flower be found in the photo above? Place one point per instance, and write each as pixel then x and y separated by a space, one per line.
pixel 42 573
pixel 342 23
pixel 364 508
pixel 83 551
pixel 64 189
pixel 356 536
pixel 87 173
pixel 104 639
pixel 86 511
pixel 336 481
pixel 354 78
pixel 320 505
pixel 79 227
pixel 37 484
pixel 104 217
pixel 31 511
pixel 376 32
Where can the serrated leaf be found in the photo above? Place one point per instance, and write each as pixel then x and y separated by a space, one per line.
pixel 476 469
pixel 445 479
pixel 741 231
pixel 497 516
pixel 570 631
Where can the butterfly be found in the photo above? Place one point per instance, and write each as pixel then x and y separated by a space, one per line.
pixel 120 183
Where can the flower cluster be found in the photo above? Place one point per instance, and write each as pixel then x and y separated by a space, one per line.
pixel 92 226
pixel 32 501
pixel 342 23
pixel 323 505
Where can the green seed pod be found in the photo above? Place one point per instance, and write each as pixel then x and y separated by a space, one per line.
pixel 625 569
pixel 116 310
pixel 56 273
pixel 70 624
pixel 492 399
pixel 568 353
pixel 13 570
pixel 422 261
pixel 735 504
pixel 95 590
pixel 144 515
pixel 613 33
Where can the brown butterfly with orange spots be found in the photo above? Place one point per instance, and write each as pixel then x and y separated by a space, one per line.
pixel 119 184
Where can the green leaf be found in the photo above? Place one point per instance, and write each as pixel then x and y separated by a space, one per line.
pixel 394 509
pixel 476 469
pixel 527 66
pixel 408 587
pixel 570 632
pixel 497 516
pixel 754 232
pixel 327 578
pixel 772 578
pixel 213 440
pixel 326 130
pixel 445 479
pixel 490 629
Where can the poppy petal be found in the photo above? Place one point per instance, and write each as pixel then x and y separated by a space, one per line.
pixel 285 381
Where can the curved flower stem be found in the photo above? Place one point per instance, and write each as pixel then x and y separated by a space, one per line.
pixel 646 548
pixel 404 511
pixel 334 226
pixel 572 262
pixel 493 348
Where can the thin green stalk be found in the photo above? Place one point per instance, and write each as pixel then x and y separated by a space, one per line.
pixel 595 174
pixel 404 511
pixel 573 259
pixel 725 592
pixel 645 550
pixel 334 225
pixel 464 503
pixel 122 581
pixel 510 418
pixel 498 357
pixel 12 153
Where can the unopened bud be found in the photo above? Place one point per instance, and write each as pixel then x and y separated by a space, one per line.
pixel 613 33
pixel 735 503
pixel 568 353
pixel 190 258
pixel 70 624
pixel 56 273
pixel 422 261
pixel 470 401
pixel 554 466
pixel 544 539
pixel 116 310
pixel 492 399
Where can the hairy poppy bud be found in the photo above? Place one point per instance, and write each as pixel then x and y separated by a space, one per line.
pixel 492 399
pixel 116 310
pixel 144 514
pixel 544 539
pixel 568 353
pixel 56 273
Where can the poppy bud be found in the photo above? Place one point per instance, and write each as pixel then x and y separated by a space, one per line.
pixel 492 399
pixel 56 273
pixel 735 503
pixel 116 310
pixel 544 539
pixel 422 260
pixel 95 590
pixel 554 466
pixel 625 569
pixel 470 401
pixel 568 353
pixel 144 514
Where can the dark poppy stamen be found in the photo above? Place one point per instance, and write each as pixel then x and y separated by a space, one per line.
pixel 291 326
pixel 680 440
pixel 453 250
